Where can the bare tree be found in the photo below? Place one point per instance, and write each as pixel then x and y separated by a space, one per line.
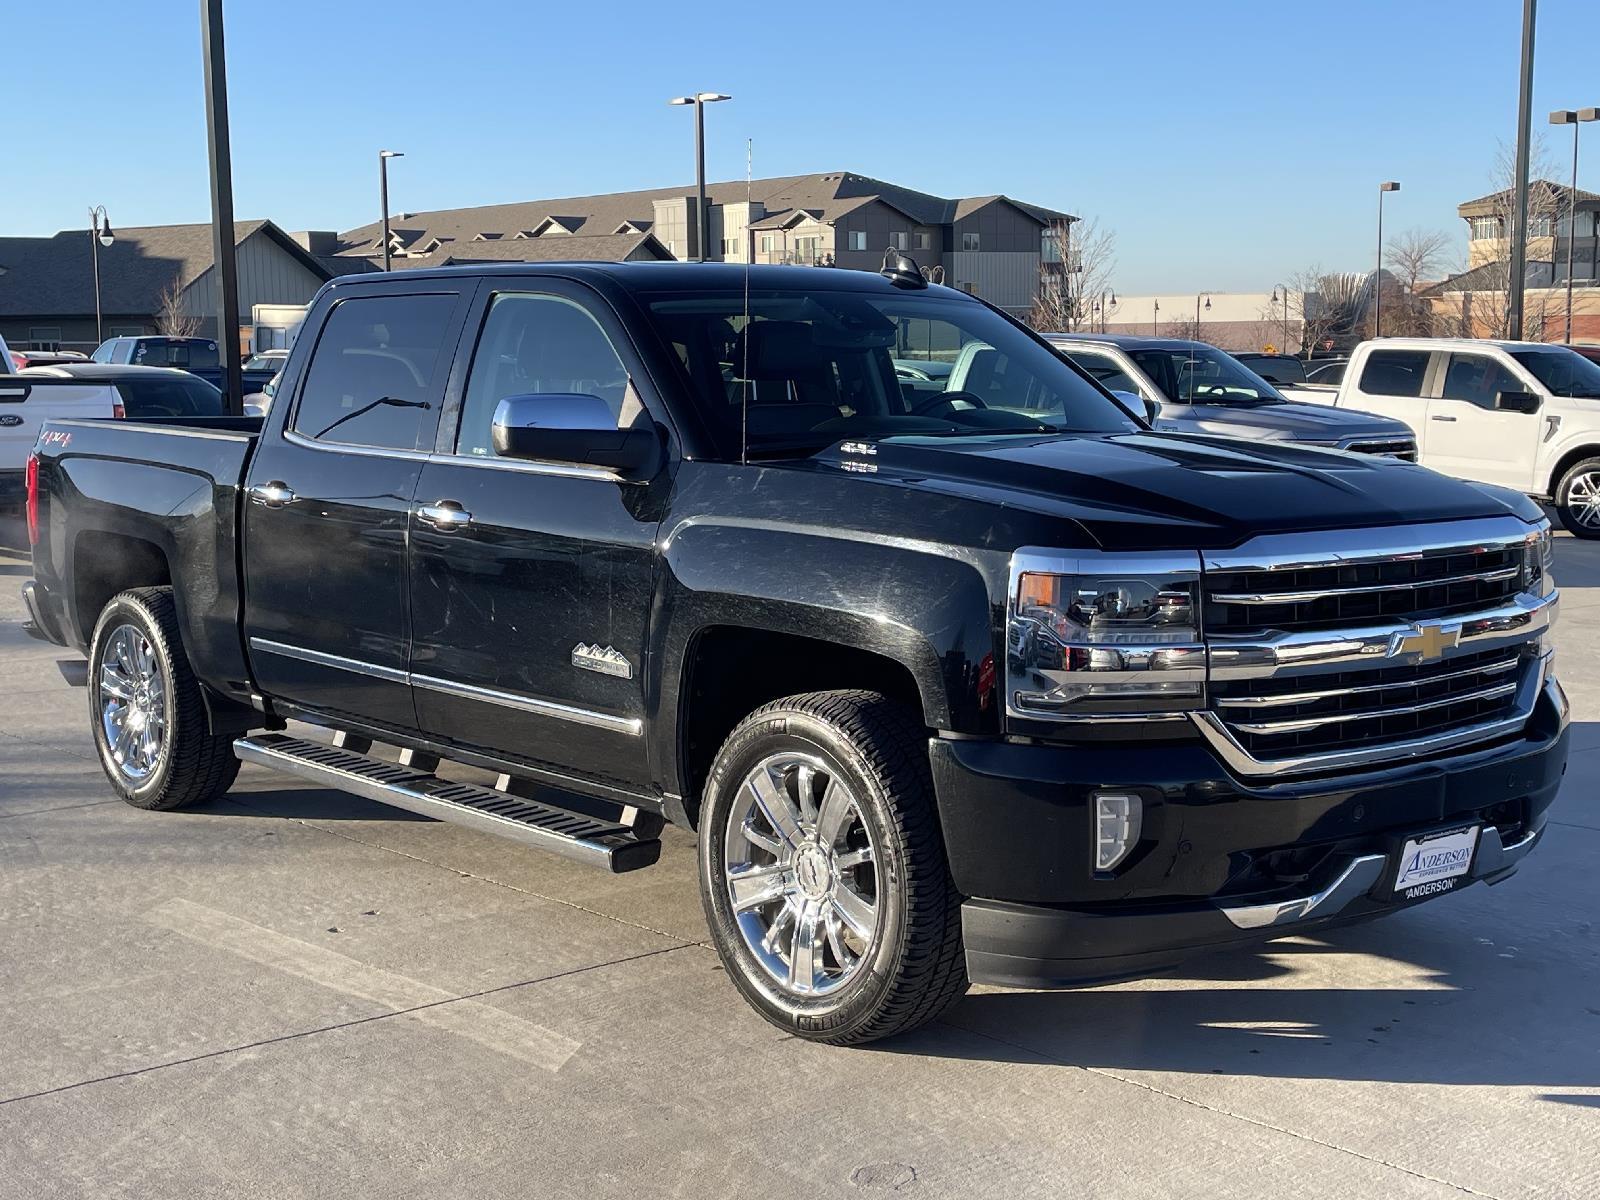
pixel 1327 305
pixel 1416 256
pixel 1074 291
pixel 1486 312
pixel 171 318
pixel 1186 328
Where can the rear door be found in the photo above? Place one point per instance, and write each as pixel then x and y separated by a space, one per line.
pixel 1471 438
pixel 1394 383
pixel 327 612
pixel 531 603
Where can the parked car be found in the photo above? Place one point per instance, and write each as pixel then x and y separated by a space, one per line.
pixel 984 684
pixel 1329 373
pixel 266 363
pixel 1524 415
pixel 199 356
pixel 45 358
pixel 1592 353
pixel 144 392
pixel 1193 387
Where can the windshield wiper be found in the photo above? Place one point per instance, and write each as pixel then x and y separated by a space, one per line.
pixel 392 401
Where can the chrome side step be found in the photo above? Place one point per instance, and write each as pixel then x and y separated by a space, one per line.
pixel 613 846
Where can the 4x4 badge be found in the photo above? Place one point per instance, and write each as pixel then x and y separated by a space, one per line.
pixel 603 659
pixel 1428 642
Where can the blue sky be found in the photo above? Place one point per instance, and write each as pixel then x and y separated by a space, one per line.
pixel 1229 144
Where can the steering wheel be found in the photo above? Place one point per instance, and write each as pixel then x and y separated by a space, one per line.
pixel 946 400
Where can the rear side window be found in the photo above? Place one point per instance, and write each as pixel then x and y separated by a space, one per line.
pixel 538 344
pixel 1276 370
pixel 147 398
pixel 175 352
pixel 1394 373
pixel 370 382
pixel 1104 370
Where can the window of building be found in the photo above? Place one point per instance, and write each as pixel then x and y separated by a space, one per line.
pixel 805 249
pixel 1483 228
pixel 1394 373
pixel 858 239
pixel 731 248
pixel 969 241
pixel 1540 227
pixel 44 337
pixel 371 375
pixel 900 239
pixel 766 243
pixel 1050 244
pixel 537 344
pixel 923 239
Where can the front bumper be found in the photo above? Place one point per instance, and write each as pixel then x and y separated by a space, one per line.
pixel 1018 834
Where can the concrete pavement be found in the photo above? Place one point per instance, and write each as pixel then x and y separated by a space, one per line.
pixel 299 993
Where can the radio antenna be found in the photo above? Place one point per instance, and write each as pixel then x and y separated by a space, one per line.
pixel 749 255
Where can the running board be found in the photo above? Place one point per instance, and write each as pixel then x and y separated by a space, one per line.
pixel 610 845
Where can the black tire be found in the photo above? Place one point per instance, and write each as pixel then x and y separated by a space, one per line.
pixel 192 765
pixel 913 968
pixel 1589 471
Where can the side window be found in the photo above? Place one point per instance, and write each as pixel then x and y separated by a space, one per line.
pixel 1105 371
pixel 368 384
pixel 1394 373
pixel 1477 379
pixel 533 344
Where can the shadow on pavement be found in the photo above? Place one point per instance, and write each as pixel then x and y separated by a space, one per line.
pixel 305 804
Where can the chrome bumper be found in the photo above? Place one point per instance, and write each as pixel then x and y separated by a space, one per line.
pixel 1364 873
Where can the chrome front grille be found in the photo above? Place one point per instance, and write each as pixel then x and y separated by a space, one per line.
pixel 1403 448
pixel 1386 645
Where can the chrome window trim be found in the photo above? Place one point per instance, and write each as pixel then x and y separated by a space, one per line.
pixel 632 726
pixel 1347 547
pixel 1243 763
pixel 320 658
pixel 294 437
pixel 560 470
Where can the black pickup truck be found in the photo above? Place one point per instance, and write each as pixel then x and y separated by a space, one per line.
pixel 992 684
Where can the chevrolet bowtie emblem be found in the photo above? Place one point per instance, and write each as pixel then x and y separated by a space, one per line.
pixel 1427 642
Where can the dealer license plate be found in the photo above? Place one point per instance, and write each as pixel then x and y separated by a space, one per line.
pixel 1435 863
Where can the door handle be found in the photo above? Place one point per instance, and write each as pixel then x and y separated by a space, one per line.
pixel 444 515
pixel 272 495
pixel 1436 418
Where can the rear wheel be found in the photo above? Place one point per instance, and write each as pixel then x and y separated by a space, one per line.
pixel 1578 499
pixel 145 706
pixel 823 870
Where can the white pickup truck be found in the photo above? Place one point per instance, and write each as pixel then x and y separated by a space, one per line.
pixel 1525 415
pixel 26 403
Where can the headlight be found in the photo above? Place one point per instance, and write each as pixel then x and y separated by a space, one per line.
pixel 1095 634
pixel 1538 559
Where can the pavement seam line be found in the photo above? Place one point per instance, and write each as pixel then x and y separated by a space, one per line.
pixel 59 808
pixel 341 1025
pixel 522 891
pixel 1224 1112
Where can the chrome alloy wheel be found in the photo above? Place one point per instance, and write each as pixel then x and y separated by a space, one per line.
pixel 799 865
pixel 1583 499
pixel 132 694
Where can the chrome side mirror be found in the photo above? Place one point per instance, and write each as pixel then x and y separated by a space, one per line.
pixel 571 427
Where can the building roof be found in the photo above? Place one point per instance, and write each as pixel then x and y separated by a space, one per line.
pixel 827 196
pixel 1542 192
pixel 556 248
pixel 1493 277
pixel 54 276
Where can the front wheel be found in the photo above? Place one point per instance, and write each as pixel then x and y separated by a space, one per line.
pixel 1578 499
pixel 145 706
pixel 823 871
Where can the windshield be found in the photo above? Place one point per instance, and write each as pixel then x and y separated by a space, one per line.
pixel 807 368
pixel 1562 371
pixel 1204 375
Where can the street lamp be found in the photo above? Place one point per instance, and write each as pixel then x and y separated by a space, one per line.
pixel 383 195
pixel 1284 288
pixel 1155 321
pixel 1572 117
pixel 702 218
pixel 100 235
pixel 1104 306
pixel 1377 279
pixel 1206 296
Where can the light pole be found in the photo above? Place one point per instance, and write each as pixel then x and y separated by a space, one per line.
pixel 1155 321
pixel 702 225
pixel 1206 296
pixel 1377 278
pixel 1104 307
pixel 383 195
pixel 1515 301
pixel 1284 288
pixel 100 235
pixel 1572 117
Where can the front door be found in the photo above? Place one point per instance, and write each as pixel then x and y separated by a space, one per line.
pixel 328 504
pixel 532 584
pixel 1394 383
pixel 1469 437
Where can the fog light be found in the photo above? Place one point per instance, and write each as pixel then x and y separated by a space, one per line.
pixel 1117 818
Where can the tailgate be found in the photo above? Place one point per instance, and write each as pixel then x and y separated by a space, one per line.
pixel 26 403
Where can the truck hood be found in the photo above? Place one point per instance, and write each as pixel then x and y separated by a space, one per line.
pixel 1281 422
pixel 1170 491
